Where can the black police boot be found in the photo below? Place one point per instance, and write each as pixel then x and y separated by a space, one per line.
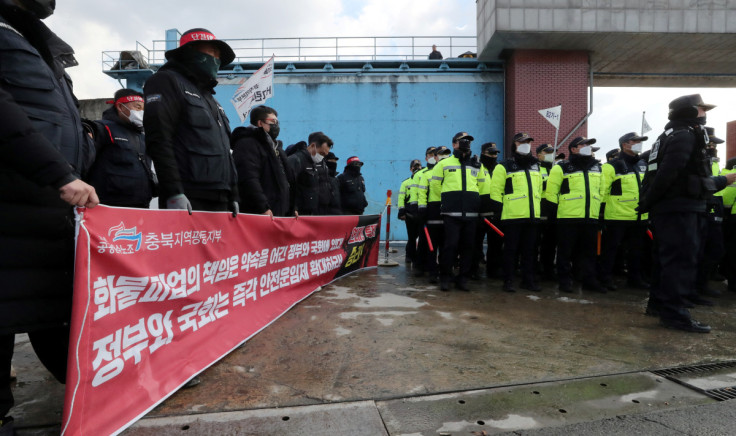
pixel 508 286
pixel 531 286
pixel 566 287
pixel 688 325
pixel 594 287
pixel 444 283
pixel 462 284
pixel 698 300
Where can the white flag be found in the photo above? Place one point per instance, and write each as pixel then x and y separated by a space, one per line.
pixel 256 90
pixel 644 125
pixel 552 115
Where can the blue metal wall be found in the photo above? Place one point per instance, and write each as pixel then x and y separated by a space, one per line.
pixel 386 120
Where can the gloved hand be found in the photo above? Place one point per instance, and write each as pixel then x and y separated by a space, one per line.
pixel 235 208
pixel 179 201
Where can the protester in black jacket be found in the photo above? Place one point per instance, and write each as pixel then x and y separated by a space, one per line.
pixel 44 153
pixel 311 179
pixel 122 173
pixel 352 188
pixel 263 179
pixel 187 132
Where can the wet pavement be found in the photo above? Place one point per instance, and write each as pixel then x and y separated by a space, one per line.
pixel 384 352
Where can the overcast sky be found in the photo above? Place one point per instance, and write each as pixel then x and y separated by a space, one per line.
pixel 93 26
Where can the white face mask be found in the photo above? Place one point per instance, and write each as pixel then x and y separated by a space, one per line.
pixel 586 150
pixel 317 158
pixel 636 148
pixel 549 157
pixel 524 148
pixel 431 161
pixel 136 117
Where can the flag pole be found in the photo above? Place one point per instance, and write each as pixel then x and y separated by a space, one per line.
pixel 642 122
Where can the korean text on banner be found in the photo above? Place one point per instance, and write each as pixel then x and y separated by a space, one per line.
pixel 256 90
pixel 151 286
pixel 552 115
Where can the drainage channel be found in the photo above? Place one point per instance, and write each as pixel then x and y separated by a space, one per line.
pixel 715 380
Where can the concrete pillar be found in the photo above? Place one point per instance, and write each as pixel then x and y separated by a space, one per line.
pixel 730 141
pixel 539 79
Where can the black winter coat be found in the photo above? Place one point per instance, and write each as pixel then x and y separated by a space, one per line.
pixel 306 180
pixel 36 226
pixel 121 174
pixel 352 191
pixel 263 172
pixel 677 178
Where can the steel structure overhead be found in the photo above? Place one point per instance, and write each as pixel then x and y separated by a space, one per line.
pixel 631 43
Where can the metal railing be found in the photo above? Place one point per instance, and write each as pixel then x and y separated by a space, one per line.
pixel 320 49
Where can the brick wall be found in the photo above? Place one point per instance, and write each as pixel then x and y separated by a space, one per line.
pixel 539 79
pixel 730 142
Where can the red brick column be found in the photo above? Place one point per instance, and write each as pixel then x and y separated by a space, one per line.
pixel 540 79
pixel 730 141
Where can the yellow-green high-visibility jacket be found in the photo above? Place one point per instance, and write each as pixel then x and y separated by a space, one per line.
pixel 413 201
pixel 424 175
pixel 404 193
pixel 484 190
pixel 729 192
pixel 517 188
pixel 621 187
pixel 575 189
pixel 457 181
pixel 715 169
pixel 434 198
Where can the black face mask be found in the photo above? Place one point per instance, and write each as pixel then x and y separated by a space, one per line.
pixel 711 152
pixel 40 8
pixel 273 132
pixel 331 167
pixel 201 63
pixel 700 120
pixel 487 161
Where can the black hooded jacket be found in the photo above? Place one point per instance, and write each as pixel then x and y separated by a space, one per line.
pixel 352 191
pixel 121 174
pixel 306 179
pixel 263 172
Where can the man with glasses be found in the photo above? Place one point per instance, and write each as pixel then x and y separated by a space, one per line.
pixel 263 178
pixel 187 132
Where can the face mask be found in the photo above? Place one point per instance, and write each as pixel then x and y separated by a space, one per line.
pixel 40 8
pixel 586 150
pixel 273 132
pixel 136 118
pixel 331 168
pixel 203 63
pixel 700 120
pixel 711 152
pixel 487 161
pixel 524 148
pixel 549 158
pixel 317 158
pixel 431 161
pixel 636 148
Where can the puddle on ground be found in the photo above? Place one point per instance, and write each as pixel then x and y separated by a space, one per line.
pixel 573 300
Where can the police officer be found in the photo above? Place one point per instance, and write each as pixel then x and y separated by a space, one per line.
pixel 516 192
pixel 122 172
pixel 674 192
pixel 728 194
pixel 409 211
pixel 422 186
pixel 433 219
pixel 624 224
pixel 352 188
pixel 612 154
pixel 575 186
pixel 457 180
pixel 187 132
pixel 547 241
pixel 488 162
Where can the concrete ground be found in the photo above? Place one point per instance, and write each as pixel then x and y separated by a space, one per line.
pixel 384 352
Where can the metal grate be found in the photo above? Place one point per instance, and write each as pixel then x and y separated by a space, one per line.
pixel 719 394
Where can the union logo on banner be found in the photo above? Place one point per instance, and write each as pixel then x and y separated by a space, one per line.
pixel 124 234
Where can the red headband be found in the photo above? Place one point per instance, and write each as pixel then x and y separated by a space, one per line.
pixel 196 36
pixel 127 99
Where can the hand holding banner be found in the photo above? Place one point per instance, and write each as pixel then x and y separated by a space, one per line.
pixel 256 90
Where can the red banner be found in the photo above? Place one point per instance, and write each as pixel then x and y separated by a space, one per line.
pixel 152 285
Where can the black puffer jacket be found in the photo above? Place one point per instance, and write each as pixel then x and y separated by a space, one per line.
pixel 36 226
pixel 352 191
pixel 263 172
pixel 306 180
pixel 121 174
